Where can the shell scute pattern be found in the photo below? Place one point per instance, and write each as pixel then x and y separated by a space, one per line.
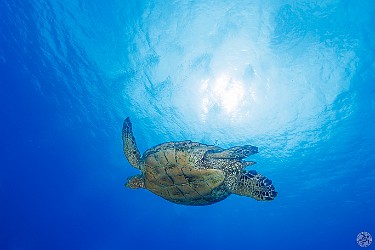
pixel 181 183
pixel 151 161
pixel 176 174
pixel 170 156
pixel 160 176
pixel 169 172
pixel 160 158
pixel 186 189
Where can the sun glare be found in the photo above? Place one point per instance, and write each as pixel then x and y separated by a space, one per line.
pixel 222 95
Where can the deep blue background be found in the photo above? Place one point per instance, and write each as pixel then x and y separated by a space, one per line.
pixel 71 71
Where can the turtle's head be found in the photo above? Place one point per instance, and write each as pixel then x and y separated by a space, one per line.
pixel 256 186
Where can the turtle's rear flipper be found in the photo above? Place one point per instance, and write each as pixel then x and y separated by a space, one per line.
pixel 232 153
pixel 256 186
pixel 135 182
pixel 130 147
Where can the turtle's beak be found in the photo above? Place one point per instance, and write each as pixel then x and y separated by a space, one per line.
pixel 272 196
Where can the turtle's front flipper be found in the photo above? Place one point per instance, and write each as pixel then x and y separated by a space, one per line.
pixel 255 185
pixel 232 153
pixel 130 147
pixel 248 163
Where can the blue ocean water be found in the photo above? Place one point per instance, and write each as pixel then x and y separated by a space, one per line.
pixel 295 78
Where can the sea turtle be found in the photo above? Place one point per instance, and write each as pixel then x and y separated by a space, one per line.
pixel 192 173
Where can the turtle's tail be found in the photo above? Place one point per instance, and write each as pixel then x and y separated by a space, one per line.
pixel 130 147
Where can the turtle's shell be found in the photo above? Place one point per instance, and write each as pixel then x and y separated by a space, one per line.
pixel 171 170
